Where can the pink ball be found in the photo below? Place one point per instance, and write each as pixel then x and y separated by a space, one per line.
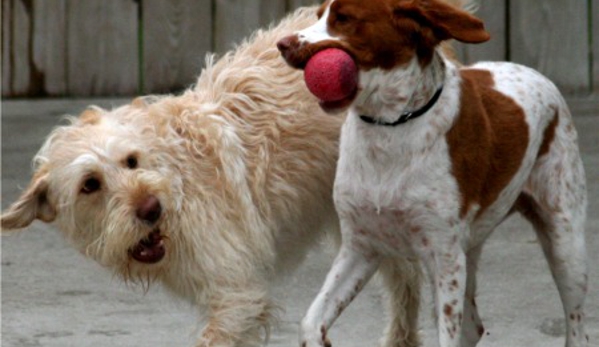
pixel 331 75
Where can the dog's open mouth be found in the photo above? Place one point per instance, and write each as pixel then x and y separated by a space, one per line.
pixel 149 250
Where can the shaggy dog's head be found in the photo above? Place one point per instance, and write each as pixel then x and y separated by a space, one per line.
pixel 110 186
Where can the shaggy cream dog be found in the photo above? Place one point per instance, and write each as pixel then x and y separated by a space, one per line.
pixel 213 192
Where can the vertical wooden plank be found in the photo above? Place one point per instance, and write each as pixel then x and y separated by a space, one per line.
pixel 552 37
pixel 177 34
pixel 493 13
pixel 49 47
pixel 595 35
pixel 20 39
pixel 6 48
pixel 293 4
pixel 103 47
pixel 236 19
pixel 33 48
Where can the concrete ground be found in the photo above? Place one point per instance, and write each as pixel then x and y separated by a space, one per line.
pixel 53 297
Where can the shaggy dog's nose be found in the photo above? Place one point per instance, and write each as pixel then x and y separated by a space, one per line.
pixel 149 210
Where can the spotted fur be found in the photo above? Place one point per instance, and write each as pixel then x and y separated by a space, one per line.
pixel 500 139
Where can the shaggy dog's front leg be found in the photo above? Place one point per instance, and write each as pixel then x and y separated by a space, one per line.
pixel 401 279
pixel 237 317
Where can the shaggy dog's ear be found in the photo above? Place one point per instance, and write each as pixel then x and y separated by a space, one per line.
pixel 32 204
pixel 139 102
pixel 90 116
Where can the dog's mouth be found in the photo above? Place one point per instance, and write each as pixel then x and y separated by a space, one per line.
pixel 149 250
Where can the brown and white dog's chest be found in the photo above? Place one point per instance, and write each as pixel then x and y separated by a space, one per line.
pixel 464 162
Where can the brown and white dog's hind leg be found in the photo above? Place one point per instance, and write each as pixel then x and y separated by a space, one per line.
pixel 564 249
pixel 351 270
pixel 555 203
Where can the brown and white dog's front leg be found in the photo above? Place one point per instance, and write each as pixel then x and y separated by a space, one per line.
pixel 351 270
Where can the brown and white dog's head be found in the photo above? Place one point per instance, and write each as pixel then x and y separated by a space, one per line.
pixel 382 34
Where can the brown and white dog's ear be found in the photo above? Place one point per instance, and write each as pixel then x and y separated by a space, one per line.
pixel 446 21
pixel 32 204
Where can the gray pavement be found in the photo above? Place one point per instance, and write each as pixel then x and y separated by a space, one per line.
pixel 52 296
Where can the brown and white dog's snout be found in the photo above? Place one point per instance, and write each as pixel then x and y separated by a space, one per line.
pixel 288 44
pixel 294 52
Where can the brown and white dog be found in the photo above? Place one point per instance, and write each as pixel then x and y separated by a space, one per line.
pixel 434 156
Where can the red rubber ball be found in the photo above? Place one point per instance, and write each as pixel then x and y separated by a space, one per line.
pixel 331 75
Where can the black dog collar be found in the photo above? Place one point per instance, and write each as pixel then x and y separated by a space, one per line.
pixel 406 116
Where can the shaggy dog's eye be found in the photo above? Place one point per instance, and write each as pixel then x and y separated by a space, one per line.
pixel 91 185
pixel 131 162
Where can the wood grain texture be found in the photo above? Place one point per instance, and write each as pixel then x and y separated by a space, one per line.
pixel 100 48
pixel 595 36
pixel 34 45
pixel 49 46
pixel 493 13
pixel 236 19
pixel 6 47
pixel 552 37
pixel 103 47
pixel 177 34
pixel 292 4
pixel 19 28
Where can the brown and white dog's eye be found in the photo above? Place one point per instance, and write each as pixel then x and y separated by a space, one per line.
pixel 341 18
pixel 91 185
pixel 131 162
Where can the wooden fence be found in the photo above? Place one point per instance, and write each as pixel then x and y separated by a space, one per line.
pixel 126 47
